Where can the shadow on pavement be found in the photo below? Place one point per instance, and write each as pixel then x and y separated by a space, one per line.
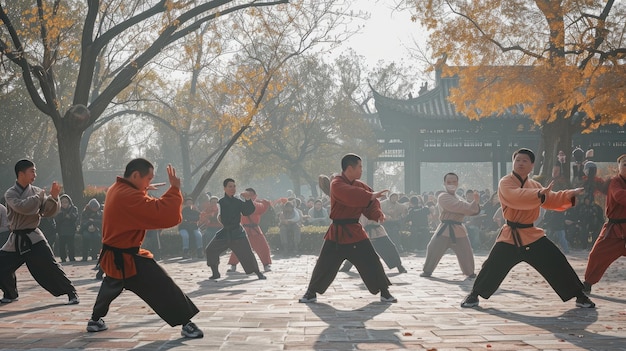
pixel 571 326
pixel 350 325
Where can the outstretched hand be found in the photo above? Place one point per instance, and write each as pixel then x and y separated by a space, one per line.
pixel 154 186
pixel 246 195
pixel 379 194
pixel 546 190
pixel 171 174
pixel 476 196
pixel 579 191
pixel 55 190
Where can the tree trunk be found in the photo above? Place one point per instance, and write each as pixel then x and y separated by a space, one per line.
pixel 294 175
pixel 184 152
pixel 68 138
pixel 206 176
pixel 313 186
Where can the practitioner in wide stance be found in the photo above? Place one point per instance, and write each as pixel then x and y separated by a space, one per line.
pixel 611 243
pixel 26 205
pixel 520 241
pixel 451 233
pixel 345 238
pixel 257 239
pixel 130 211
pixel 385 248
pixel 232 236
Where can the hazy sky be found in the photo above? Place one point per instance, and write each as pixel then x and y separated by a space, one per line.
pixel 386 34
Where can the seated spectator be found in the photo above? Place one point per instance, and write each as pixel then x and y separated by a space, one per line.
pixel 489 209
pixel 91 229
pixel 417 221
pixel 318 214
pixel 289 224
pixel 554 224
pixel 189 227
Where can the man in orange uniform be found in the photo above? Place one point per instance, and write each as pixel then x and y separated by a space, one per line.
pixel 257 239
pixel 611 243
pixel 346 239
pixel 520 241
pixel 129 212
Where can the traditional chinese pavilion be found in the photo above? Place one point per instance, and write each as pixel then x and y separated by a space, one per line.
pixel 427 128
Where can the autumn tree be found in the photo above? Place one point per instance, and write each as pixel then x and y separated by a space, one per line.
pixel 313 121
pixel 42 36
pixel 264 45
pixel 24 138
pixel 559 62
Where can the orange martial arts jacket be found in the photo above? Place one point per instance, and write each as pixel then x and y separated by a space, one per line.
pixel 520 202
pixel 128 213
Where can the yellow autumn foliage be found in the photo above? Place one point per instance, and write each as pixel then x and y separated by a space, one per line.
pixel 541 57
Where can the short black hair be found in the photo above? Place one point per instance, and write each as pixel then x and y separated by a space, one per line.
pixel 251 190
pixel 140 165
pixel 349 160
pixel 23 165
pixel 525 151
pixel 227 180
pixel 450 174
pixel 416 200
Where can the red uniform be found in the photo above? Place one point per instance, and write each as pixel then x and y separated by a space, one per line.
pixel 611 244
pixel 347 201
pixel 347 240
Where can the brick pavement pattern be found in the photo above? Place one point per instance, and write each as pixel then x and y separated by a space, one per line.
pixel 239 312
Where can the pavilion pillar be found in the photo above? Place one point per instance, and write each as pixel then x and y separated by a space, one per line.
pixel 495 158
pixel 503 156
pixel 412 165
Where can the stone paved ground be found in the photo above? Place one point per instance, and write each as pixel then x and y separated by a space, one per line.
pixel 240 312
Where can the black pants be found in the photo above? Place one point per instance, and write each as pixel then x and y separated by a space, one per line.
pixel 393 231
pixel 542 255
pixel 387 250
pixel 41 265
pixel 361 254
pixel 241 248
pixel 66 246
pixel 153 285
pixel 152 242
pixel 3 237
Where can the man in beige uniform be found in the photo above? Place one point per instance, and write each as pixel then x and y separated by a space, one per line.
pixel 451 233
pixel 26 205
